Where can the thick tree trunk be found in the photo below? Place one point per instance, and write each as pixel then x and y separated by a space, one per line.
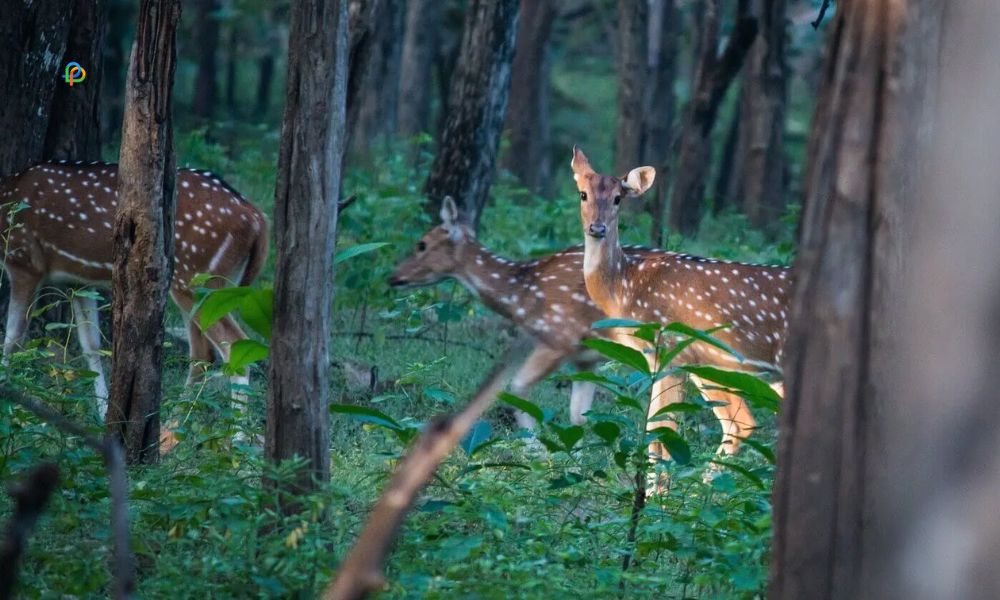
pixel 633 79
pixel 862 161
pixel 206 88
pixel 713 75
pixel 664 49
pixel 143 234
pixel 465 161
pixel 759 181
pixel 372 114
pixel 528 113
pixel 305 219
pixel 33 39
pixel 420 40
pixel 74 129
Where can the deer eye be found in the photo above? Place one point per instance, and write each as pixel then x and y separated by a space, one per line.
pixel 618 199
pixel 583 196
pixel 421 246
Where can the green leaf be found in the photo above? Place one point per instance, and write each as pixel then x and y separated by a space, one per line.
pixel 607 431
pixel 353 251
pixel 759 393
pixel 702 336
pixel 629 403
pixel 754 479
pixel 523 405
pixel 477 436
pixel 679 450
pixel 218 303
pixel 676 407
pixel 442 396
pixel 609 323
pixel 243 354
pixel 569 436
pixel 257 310
pixel 367 415
pixel 629 357
pixel 763 450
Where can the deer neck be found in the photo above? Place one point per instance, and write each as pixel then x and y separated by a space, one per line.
pixel 488 277
pixel 604 264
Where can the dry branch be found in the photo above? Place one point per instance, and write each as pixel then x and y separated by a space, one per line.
pixel 361 572
pixel 110 450
pixel 30 499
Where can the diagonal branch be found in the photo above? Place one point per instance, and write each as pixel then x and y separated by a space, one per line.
pixel 361 572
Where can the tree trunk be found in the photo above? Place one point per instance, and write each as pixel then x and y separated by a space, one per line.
pixel 74 129
pixel 664 48
pixel 305 219
pixel 207 41
pixel 374 108
pixel 633 78
pixel 528 114
pixel 143 234
pixel 463 167
pixel 231 58
pixel 265 65
pixel 862 164
pixel 420 40
pixel 33 39
pixel 936 511
pixel 713 74
pixel 363 19
pixel 731 160
pixel 121 16
pixel 759 182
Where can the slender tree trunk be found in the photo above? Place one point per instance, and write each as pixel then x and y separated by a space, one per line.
pixel 731 160
pixel 121 16
pixel 758 183
pixel 206 88
pixel 363 19
pixel 463 167
pixel 33 39
pixel 864 155
pixel 265 66
pixel 713 75
pixel 143 234
pixel 231 58
pixel 527 116
pixel 374 108
pixel 633 78
pixel 305 218
pixel 664 49
pixel 420 40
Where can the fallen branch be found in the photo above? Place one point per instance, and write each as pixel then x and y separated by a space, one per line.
pixel 822 13
pixel 362 570
pixel 30 498
pixel 110 450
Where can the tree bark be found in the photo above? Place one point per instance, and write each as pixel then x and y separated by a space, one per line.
pixel 713 74
pixel 759 182
pixel 464 164
pixel 420 40
pixel 33 39
pixel 143 234
pixel 374 108
pixel 206 88
pixel 528 114
pixel 664 49
pixel 862 160
pixel 633 77
pixel 305 218
pixel 363 19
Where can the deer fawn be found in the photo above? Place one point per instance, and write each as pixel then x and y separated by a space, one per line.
pixel 57 220
pixel 663 286
pixel 544 297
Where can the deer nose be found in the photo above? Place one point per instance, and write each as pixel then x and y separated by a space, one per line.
pixel 597 230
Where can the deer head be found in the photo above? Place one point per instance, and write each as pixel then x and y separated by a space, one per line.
pixel 601 195
pixel 440 254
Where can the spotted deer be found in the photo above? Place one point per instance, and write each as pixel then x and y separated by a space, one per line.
pixel 662 287
pixel 56 222
pixel 545 297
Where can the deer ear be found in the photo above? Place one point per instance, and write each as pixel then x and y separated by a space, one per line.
pixel 581 166
pixel 449 212
pixel 639 179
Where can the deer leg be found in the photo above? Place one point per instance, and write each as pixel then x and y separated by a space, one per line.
pixel 88 333
pixel 23 285
pixel 735 418
pixel 582 395
pixel 665 391
pixel 199 353
pixel 542 361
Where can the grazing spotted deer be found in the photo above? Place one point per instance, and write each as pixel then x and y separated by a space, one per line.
pixel 56 222
pixel 545 297
pixel 662 287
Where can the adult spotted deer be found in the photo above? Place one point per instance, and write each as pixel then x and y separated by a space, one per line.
pixel 545 297
pixel 662 287
pixel 56 222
